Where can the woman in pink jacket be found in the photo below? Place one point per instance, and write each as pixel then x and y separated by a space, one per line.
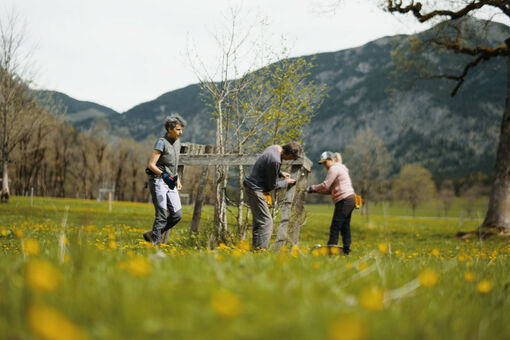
pixel 338 184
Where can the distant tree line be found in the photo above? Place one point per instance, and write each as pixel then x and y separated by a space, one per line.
pixel 56 160
pixel 371 168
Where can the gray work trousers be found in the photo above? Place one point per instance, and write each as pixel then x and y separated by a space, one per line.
pixel 167 206
pixel 262 219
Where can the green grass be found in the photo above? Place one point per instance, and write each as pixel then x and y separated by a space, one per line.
pixel 111 285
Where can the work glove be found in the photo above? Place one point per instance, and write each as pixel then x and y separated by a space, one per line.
pixel 309 189
pixel 171 181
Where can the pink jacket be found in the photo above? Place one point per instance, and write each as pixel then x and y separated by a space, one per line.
pixel 337 183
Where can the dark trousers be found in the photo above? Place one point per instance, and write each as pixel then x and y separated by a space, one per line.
pixel 341 223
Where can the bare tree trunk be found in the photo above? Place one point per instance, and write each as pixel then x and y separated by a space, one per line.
pixel 199 201
pixel 240 228
pixel 220 207
pixel 84 174
pixel 5 182
pixel 498 214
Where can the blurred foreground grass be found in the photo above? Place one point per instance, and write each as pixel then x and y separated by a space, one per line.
pixel 95 278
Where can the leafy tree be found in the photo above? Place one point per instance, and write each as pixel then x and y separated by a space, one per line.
pixel 254 108
pixel 413 185
pixel 471 195
pixel 457 37
pixel 446 196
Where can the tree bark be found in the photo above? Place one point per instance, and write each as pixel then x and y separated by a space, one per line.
pixel 498 213
pixel 240 227
pixel 199 201
pixel 5 183
pixel 221 173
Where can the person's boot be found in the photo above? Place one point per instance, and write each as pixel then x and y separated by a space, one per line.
pixel 164 236
pixel 347 250
pixel 147 236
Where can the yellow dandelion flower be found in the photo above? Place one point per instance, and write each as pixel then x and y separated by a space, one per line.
pixel 461 258
pixel 469 276
pixel 4 232
pixel 47 323
pixel 348 265
pixel 245 245
pixel 219 257
pixel 238 253
pixel 139 266
pixel 323 251
pixel 113 245
pixel 31 247
pixel 346 327
pixel 42 276
pixel 295 251
pixel 484 286
pixel 18 233
pixel 428 278
pixel 223 246
pixel 284 249
pixel 372 299
pixel 334 250
pixel 315 253
pixel 64 239
pixel 435 252
pixel 225 303
pixel 383 248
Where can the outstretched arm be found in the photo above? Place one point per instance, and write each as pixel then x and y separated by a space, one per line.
pixel 325 187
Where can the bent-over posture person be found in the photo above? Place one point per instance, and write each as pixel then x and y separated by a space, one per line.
pixel 338 184
pixel 266 176
pixel 163 180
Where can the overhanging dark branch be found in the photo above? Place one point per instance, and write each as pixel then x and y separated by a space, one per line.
pixel 415 9
pixel 460 79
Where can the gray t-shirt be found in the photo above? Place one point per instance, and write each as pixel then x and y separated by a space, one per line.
pixel 265 172
pixel 169 158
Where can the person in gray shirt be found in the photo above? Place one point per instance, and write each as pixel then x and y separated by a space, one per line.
pixel 163 181
pixel 265 177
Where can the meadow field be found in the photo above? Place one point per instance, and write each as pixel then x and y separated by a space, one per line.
pixel 71 269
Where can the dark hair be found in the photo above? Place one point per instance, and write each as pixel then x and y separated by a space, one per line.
pixel 293 149
pixel 173 120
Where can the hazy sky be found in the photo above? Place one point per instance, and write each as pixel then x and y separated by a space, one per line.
pixel 122 53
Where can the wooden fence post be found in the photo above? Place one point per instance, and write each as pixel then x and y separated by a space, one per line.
pixel 199 200
pixel 298 208
pixel 282 234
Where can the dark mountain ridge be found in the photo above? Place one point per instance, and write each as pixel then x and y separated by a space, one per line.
pixel 449 136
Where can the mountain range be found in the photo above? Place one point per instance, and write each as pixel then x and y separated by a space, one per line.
pixel 451 136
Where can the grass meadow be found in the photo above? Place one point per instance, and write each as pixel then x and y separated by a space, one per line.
pixel 71 269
